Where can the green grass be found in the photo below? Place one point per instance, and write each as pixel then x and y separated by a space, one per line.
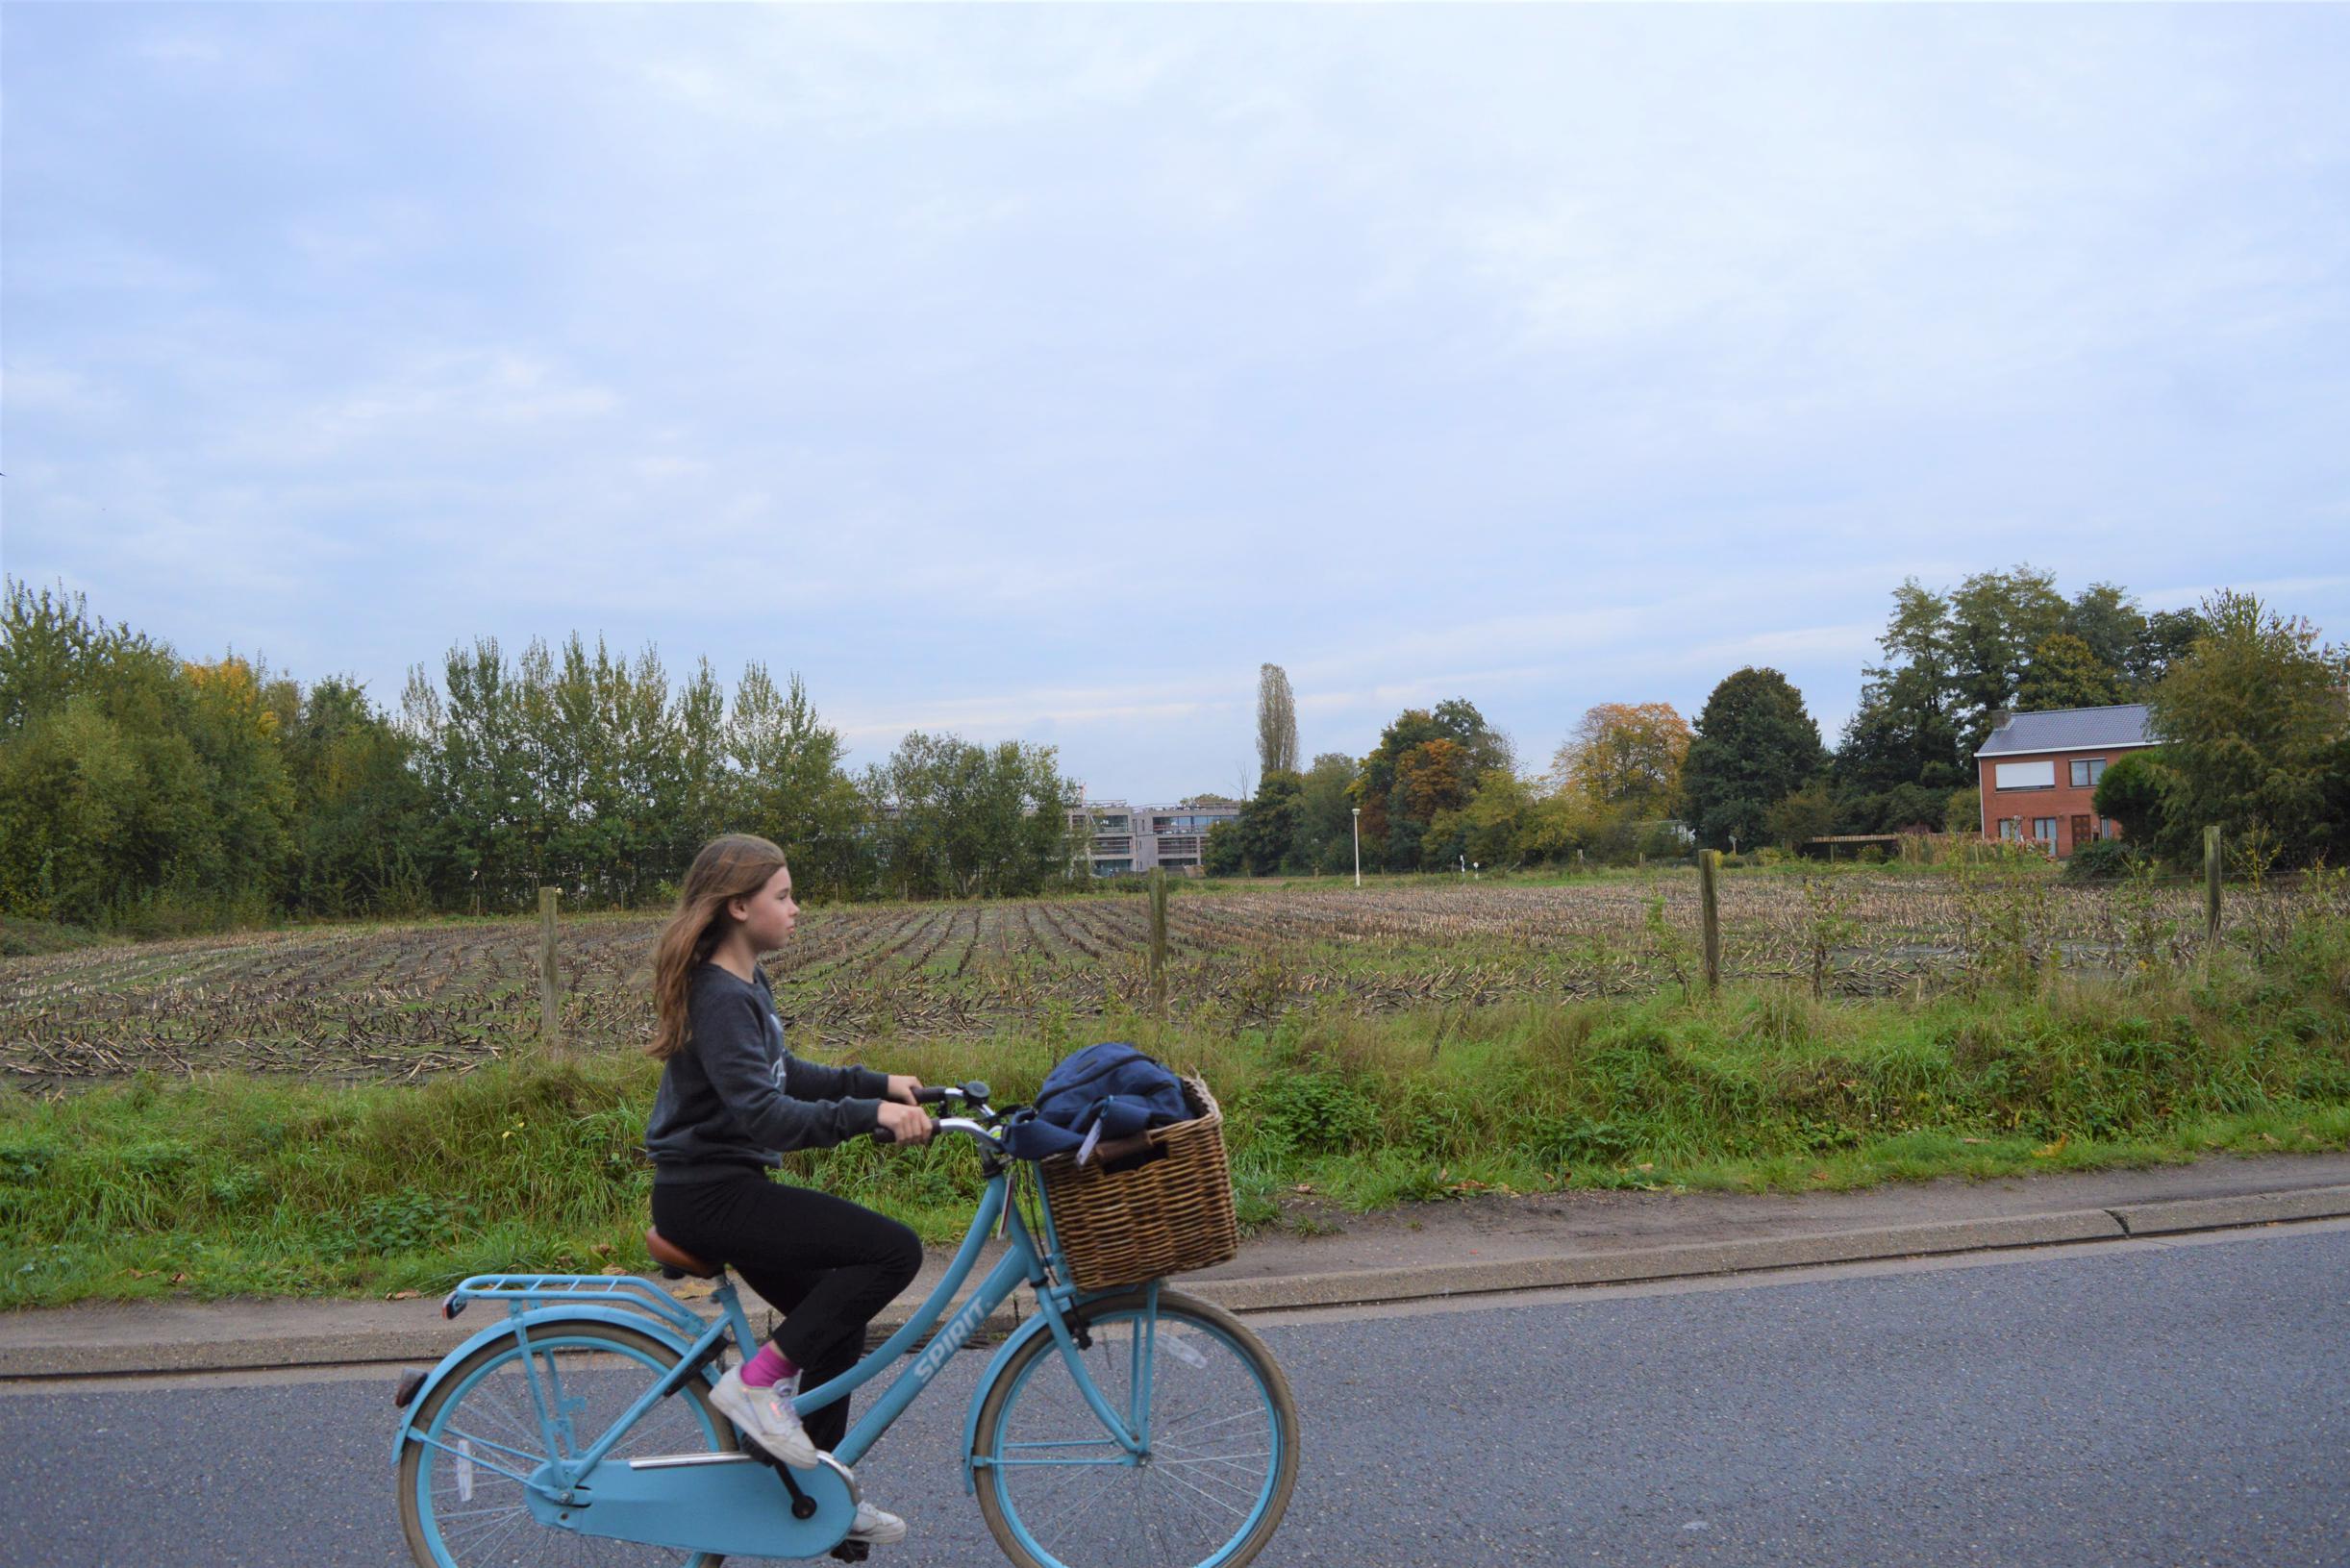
pixel 21 938
pixel 232 1184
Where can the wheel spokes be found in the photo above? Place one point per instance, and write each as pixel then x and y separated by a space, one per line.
pixel 477 1510
pixel 1212 1451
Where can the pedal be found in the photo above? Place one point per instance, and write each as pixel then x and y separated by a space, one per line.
pixel 852 1551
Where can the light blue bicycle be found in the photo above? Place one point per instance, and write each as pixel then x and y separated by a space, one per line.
pixel 1135 1428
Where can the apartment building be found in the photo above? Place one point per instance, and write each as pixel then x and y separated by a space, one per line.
pixel 1129 840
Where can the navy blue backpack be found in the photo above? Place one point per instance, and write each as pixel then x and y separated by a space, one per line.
pixel 1104 1092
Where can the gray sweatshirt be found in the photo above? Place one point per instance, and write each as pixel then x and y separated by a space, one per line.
pixel 734 1097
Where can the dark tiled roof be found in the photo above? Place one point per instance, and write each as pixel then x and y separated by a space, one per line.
pixel 2071 728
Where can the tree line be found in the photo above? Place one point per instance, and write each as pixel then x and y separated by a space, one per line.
pixel 2249 706
pixel 143 791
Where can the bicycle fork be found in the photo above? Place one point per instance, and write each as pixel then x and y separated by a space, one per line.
pixel 1132 1430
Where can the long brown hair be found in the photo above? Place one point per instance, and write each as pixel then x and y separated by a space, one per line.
pixel 735 865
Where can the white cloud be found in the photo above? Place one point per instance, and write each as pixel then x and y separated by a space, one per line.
pixel 1540 356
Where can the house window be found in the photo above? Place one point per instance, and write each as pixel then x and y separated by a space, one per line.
pixel 2043 829
pixel 2010 830
pixel 2023 775
pixel 2085 774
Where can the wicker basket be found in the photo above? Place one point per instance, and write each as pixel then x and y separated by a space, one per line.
pixel 1169 1215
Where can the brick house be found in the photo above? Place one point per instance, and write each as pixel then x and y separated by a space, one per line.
pixel 2039 773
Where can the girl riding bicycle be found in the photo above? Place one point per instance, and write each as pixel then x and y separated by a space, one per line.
pixel 732 1100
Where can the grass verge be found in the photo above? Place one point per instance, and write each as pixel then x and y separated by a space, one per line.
pixel 227 1186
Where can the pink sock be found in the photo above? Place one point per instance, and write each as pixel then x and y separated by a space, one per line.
pixel 769 1367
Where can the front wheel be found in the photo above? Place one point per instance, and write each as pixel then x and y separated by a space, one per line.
pixel 1060 1491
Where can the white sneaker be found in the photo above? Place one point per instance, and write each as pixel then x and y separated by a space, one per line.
pixel 766 1418
pixel 876 1527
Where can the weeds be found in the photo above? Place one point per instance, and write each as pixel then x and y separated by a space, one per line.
pixel 226 1183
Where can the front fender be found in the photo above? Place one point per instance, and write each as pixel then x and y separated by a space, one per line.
pixel 505 1327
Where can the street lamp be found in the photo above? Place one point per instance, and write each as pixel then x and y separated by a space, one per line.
pixel 1357 812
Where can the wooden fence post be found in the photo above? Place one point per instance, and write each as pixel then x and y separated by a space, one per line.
pixel 550 1027
pixel 1708 908
pixel 2211 883
pixel 1159 941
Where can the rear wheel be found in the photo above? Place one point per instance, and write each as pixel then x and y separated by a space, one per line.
pixel 462 1503
pixel 1060 1491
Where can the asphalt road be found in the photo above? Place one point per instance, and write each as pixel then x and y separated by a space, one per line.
pixel 2146 1403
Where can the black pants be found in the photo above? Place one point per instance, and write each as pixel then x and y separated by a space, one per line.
pixel 827 1264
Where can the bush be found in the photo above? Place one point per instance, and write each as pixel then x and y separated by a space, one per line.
pixel 2131 792
pixel 2103 859
pixel 1962 812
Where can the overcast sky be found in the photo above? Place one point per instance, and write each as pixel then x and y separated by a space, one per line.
pixel 1038 373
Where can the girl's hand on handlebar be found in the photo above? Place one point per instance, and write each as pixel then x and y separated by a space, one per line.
pixel 905 1124
pixel 902 1088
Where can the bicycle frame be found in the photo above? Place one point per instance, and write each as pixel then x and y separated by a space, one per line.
pixel 545 1301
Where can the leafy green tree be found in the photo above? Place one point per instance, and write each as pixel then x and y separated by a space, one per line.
pixel 2245 721
pixel 1903 731
pixel 2334 803
pixel 1325 821
pixel 1267 829
pixel 788 784
pixel 362 824
pixel 1483 747
pixel 1998 618
pixel 1397 802
pixel 1220 853
pixel 1755 746
pixel 1902 808
pixel 1798 818
pixel 471 755
pixel 2170 635
pixel 2066 673
pixel 962 820
pixel 235 735
pixel 136 790
pixel 2107 621
pixel 1375 785
pixel 2131 791
pixel 1900 732
pixel 1495 827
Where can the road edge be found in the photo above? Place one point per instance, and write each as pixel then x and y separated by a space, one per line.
pixel 37 1363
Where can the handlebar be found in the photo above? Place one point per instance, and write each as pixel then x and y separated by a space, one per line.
pixel 973 1094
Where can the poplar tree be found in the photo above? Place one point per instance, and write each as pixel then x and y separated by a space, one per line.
pixel 1276 722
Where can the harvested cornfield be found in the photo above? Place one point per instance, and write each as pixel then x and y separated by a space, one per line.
pixel 405 1002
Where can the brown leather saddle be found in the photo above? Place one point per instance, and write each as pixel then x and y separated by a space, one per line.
pixel 675 1259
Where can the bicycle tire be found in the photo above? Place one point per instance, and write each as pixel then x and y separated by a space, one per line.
pixel 999 1410
pixel 420 1518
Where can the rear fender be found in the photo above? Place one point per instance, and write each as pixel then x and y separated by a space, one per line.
pixel 532 1320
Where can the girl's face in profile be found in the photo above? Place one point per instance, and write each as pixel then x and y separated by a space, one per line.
pixel 770 914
